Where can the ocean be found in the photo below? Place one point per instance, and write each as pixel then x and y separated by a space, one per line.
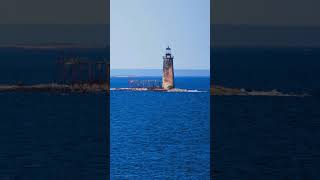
pixel 266 137
pixel 165 135
pixel 159 135
pixel 53 136
pixel 50 135
pixel 64 136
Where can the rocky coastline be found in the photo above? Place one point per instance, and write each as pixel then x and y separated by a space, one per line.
pixel 91 88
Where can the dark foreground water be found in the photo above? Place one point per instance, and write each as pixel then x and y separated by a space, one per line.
pixel 48 135
pixel 267 137
pixel 156 135
pixel 53 136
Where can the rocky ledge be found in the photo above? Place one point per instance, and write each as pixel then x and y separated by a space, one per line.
pixel 223 91
pixel 54 88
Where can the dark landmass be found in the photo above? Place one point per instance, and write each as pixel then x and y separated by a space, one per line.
pixel 57 88
pixel 224 91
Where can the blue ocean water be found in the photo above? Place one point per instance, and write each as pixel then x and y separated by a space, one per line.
pixel 266 137
pixel 54 136
pixel 49 135
pixel 158 135
pixel 59 136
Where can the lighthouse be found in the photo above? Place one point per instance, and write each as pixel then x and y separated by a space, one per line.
pixel 167 71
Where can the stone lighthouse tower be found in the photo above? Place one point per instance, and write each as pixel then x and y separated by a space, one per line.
pixel 168 72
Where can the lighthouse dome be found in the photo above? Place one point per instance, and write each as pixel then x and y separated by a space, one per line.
pixel 168 50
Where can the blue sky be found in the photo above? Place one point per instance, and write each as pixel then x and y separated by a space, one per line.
pixel 142 29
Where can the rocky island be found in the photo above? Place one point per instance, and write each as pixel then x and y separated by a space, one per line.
pixel 224 91
pixel 95 88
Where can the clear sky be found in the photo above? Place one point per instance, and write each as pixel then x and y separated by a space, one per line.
pixel 142 29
